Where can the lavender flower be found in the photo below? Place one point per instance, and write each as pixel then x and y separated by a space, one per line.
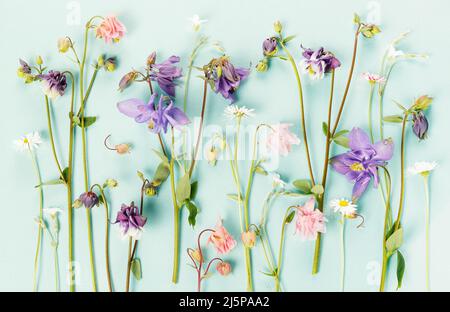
pixel 159 117
pixel 225 76
pixel 127 80
pixel 89 199
pixel 131 222
pixel 361 163
pixel 164 73
pixel 317 63
pixel 54 83
pixel 420 125
pixel 270 46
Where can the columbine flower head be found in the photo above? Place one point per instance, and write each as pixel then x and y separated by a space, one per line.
pixel 360 164
pixel 53 83
pixel 422 167
pixel 248 239
pixel 373 78
pixel 277 182
pixel 345 207
pixel 280 139
pixel 393 54
pixel 89 199
pixel 196 22
pixel 29 141
pixel 270 46
pixel 235 112
pixel 420 125
pixel 309 221
pixel 24 71
pixel 110 29
pixel 221 239
pixel 64 44
pixel 127 80
pixel 165 73
pixel 159 117
pixel 131 222
pixel 52 212
pixel 224 268
pixel 225 77
pixel 318 63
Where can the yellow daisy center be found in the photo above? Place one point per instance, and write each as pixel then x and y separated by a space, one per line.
pixel 356 166
pixel 343 203
pixel 25 141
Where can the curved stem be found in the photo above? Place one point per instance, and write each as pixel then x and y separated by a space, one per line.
pixel 427 232
pixel 50 133
pixel 372 91
pixel 342 253
pixel 302 110
pixel 40 230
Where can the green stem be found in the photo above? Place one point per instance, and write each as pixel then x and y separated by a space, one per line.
pixel 385 230
pixel 372 91
pixel 40 230
pixel 50 133
pixel 402 173
pixel 427 232
pixel 55 254
pixel 280 251
pixel 342 253
pixel 130 259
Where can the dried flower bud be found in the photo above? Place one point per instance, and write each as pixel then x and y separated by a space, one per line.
pixel 422 103
pixel 211 155
pixel 111 183
pixel 122 148
pixel 110 64
pixel 370 30
pixel 195 254
pixel 248 239
pixel 100 61
pixel 262 66
pixel 64 44
pixel 77 203
pixel 151 59
pixel 420 125
pixel 224 268
pixel 126 80
pixel 151 189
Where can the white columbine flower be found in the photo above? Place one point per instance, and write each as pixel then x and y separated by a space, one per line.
pixel 344 207
pixel 196 22
pixel 52 212
pixel 29 141
pixel 277 181
pixel 422 168
pixel 393 54
pixel 234 111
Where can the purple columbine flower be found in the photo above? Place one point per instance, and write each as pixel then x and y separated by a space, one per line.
pixel 89 199
pixel 24 67
pixel 226 77
pixel 270 46
pixel 420 125
pixel 54 83
pixel 361 163
pixel 317 63
pixel 159 117
pixel 130 220
pixel 164 73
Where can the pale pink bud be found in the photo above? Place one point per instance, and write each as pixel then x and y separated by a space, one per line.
pixel 224 268
pixel 122 148
pixel 248 239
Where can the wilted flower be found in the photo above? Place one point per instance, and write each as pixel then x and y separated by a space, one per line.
pixel 111 183
pixel 248 239
pixel 309 221
pixel 361 163
pixel 225 76
pixel 393 54
pixel 234 111
pixel 277 181
pixel 422 167
pixel 370 30
pixel 131 222
pixel 23 69
pixel 110 29
pixel 77 203
pixel 222 240
pixel 127 80
pixel 262 65
pixel 270 46
pixel 373 78
pixel 52 212
pixel 317 63
pixel 280 140
pixel 159 118
pixel 196 22
pixel 165 74
pixel 110 64
pixel 344 206
pixel 122 148
pixel 64 44
pixel 420 125
pixel 224 268
pixel 211 155
pixel 53 83
pixel 29 141
pixel 89 199
pixel 195 254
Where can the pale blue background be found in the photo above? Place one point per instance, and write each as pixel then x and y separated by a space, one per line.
pixel 30 28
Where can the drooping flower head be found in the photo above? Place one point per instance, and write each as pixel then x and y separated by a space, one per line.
pixel 318 63
pixel 373 78
pixel 159 117
pixel 127 80
pixel 29 141
pixel 360 164
pixel 420 125
pixel 165 73
pixel 24 71
pixel 270 46
pixel 54 83
pixel 249 239
pixel 89 199
pixel 110 29
pixel 225 77
pixel 345 207
pixel 280 139
pixel 422 167
pixel 221 239
pixel 130 220
pixel 224 268
pixel 196 22
pixel 310 221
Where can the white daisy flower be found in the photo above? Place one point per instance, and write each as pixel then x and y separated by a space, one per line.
pixel 344 207
pixel 234 111
pixel 29 141
pixel 373 78
pixel 422 168
pixel 196 22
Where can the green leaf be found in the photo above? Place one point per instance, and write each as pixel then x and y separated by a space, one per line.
pixel 162 156
pixel 193 210
pixel 51 182
pixel 261 170
pixel 136 268
pixel 234 197
pixel 400 106
pixel 356 19
pixel 400 269
pixel 288 38
pixel 394 241
pixel 183 191
pixel 290 217
pixel 342 141
pixel 88 121
pixel 393 118
pixel 194 188
pixel 317 189
pixel 340 133
pixel 325 128
pixel 303 185
pixel 65 175
pixel 161 173
pixel 141 176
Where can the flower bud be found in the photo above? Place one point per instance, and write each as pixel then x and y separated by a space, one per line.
pixel 370 31
pixel 151 59
pixel 420 125
pixel 224 268
pixel 126 80
pixel 151 189
pixel 212 154
pixel 39 60
pixel 248 239
pixel 111 183
pixel 89 199
pixel 110 64
pixel 64 44
pixel 277 27
pixel 262 66
pixel 195 254
pixel 122 148
pixel 100 61
pixel 77 203
pixel 270 46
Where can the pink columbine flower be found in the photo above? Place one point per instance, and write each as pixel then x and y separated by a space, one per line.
pixel 224 268
pixel 110 29
pixel 222 240
pixel 280 139
pixel 373 78
pixel 309 221
pixel 248 239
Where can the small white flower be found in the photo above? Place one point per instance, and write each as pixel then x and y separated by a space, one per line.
pixel 393 54
pixel 196 22
pixel 373 78
pixel 52 212
pixel 234 111
pixel 277 181
pixel 29 141
pixel 422 167
pixel 344 207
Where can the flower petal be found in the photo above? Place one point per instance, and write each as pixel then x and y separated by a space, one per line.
pixel 358 139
